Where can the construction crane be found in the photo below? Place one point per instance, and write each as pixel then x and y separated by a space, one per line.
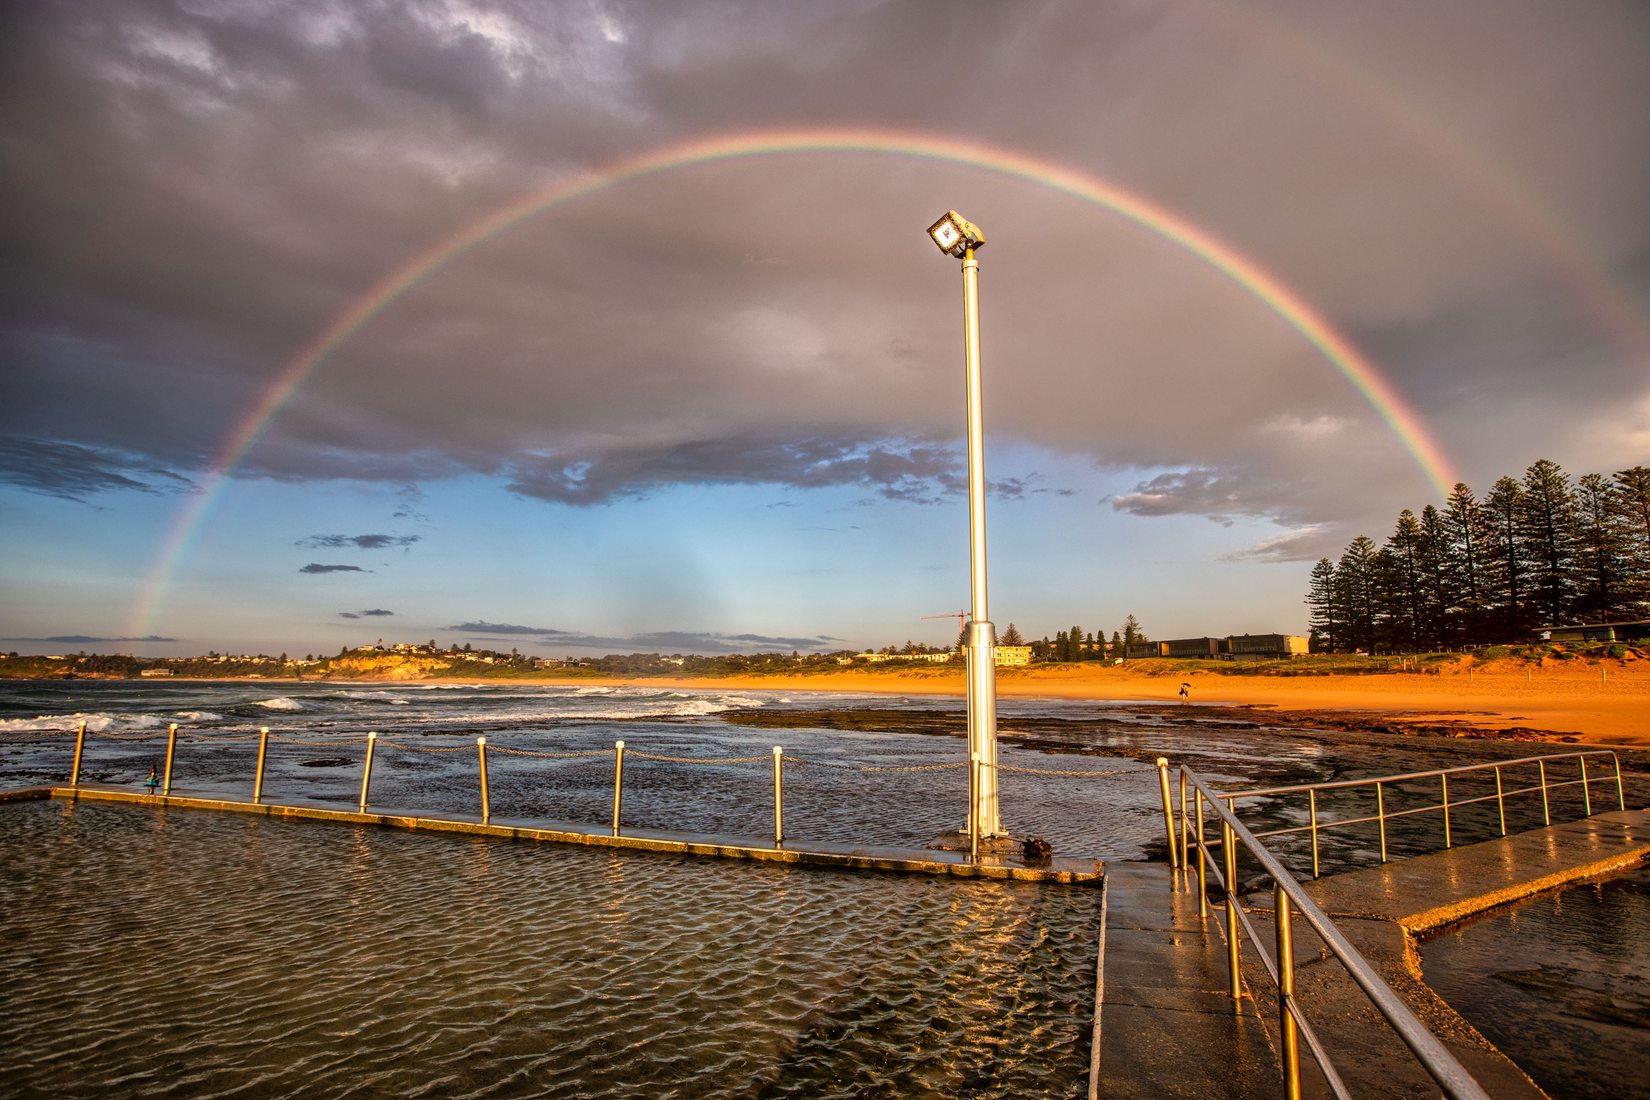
pixel 960 616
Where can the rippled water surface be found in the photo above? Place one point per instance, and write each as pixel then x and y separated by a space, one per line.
pixel 169 953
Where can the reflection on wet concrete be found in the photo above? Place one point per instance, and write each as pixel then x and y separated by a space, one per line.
pixel 1561 980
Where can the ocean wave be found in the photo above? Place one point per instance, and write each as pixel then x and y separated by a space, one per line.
pixel 280 702
pixel 197 716
pixel 95 723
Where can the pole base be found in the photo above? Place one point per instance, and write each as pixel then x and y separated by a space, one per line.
pixel 957 841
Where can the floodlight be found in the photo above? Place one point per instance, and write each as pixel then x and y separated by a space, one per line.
pixel 955 234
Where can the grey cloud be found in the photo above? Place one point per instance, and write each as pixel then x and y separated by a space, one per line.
pixel 360 542
pixel 1306 544
pixel 482 626
pixel 376 611
pixel 73 472
pixel 371 612
pixel 317 567
pixel 898 470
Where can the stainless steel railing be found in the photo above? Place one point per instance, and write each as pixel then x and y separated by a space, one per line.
pixel 1289 897
pixel 1541 782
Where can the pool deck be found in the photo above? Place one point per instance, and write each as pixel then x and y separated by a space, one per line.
pixel 1167 1026
pixel 811 853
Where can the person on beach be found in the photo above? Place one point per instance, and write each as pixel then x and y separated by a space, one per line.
pixel 153 782
pixel 1185 694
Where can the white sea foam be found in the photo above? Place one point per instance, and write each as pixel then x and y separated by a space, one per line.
pixel 197 716
pixel 95 722
pixel 280 702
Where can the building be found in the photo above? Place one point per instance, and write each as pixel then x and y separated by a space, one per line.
pixel 1248 647
pixel 1637 630
pixel 1010 656
pixel 1193 647
pixel 155 672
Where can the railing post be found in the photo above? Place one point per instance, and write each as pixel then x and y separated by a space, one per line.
pixel 1202 861
pixel 171 747
pixel 258 776
pixel 1168 808
pixel 80 746
pixel 1546 813
pixel 1380 812
pixel 486 803
pixel 1228 852
pixel 1312 796
pixel 778 796
pixel 1500 805
pixel 366 772
pixel 1443 781
pixel 618 782
pixel 1621 798
pixel 1286 991
pixel 1185 852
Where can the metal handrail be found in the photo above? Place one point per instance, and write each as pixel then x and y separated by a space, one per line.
pixel 1288 893
pixel 1380 783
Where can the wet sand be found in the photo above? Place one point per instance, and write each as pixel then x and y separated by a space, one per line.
pixel 1594 704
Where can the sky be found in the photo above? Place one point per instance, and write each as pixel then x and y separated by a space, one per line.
pixel 599 327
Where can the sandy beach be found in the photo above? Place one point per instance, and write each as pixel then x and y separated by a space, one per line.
pixel 1605 704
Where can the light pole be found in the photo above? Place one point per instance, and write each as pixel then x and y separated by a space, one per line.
pixel 957 236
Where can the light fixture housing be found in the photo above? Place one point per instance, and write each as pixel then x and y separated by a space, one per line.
pixel 955 234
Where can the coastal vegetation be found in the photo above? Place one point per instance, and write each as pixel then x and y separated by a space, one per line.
pixel 1536 552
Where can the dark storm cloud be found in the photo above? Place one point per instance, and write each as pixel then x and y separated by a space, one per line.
pixel 87 639
pixel 74 472
pixel 260 167
pixel 360 542
pixel 317 567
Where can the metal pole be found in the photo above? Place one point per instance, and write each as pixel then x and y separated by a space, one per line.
pixel 79 747
pixel 1380 812
pixel 1621 796
pixel 1286 992
pixel 1202 861
pixel 1168 808
pixel 366 772
pixel 1228 852
pixel 618 782
pixel 1500 805
pixel 486 803
pixel 171 747
pixel 1546 813
pixel 974 797
pixel 982 635
pixel 1586 794
pixel 258 777
pixel 1185 852
pixel 1443 782
pixel 778 796
pixel 1313 796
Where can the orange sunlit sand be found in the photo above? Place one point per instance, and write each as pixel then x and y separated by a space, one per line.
pixel 1602 703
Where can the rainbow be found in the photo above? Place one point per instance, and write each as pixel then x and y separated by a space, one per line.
pixel 1294 310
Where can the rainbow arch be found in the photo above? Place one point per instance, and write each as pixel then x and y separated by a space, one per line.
pixel 1402 419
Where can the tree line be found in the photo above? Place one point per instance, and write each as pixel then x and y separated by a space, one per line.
pixel 1534 552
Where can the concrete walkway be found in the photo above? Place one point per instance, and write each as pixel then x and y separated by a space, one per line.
pixel 1167 1026
pixel 762 849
